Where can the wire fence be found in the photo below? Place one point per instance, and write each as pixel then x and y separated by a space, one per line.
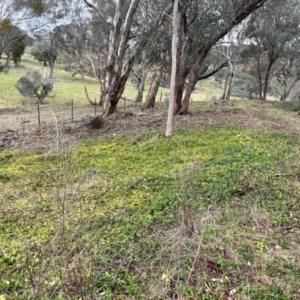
pixel 20 117
pixel 25 117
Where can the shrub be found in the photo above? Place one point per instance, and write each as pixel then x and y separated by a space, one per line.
pixel 33 85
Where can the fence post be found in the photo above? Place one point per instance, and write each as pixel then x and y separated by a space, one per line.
pixel 160 96
pixel 95 108
pixel 124 103
pixel 39 116
pixel 72 109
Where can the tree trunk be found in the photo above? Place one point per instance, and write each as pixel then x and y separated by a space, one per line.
pixel 192 80
pixel 51 65
pixel 228 94
pixel 179 85
pixel 287 90
pixel 141 86
pixel 223 97
pixel 204 50
pixel 114 86
pixel 228 84
pixel 115 74
pixel 7 59
pixel 182 69
pixel 51 70
pixel 84 84
pixel 267 77
pixel 150 101
pixel 260 80
pixel 174 70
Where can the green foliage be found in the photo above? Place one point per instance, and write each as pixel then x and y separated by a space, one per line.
pixel 16 45
pixel 39 56
pixel 288 105
pixel 6 25
pixel 245 86
pixel 38 6
pixel 34 86
pixel 46 51
pixel 273 32
pixel 3 69
pixel 13 42
pixel 109 214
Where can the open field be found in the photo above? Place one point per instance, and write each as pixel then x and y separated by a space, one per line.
pixel 65 89
pixel 125 213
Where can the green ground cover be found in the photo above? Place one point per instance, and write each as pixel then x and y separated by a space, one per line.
pixel 202 215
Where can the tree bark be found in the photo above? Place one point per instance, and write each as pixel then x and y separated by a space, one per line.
pixel 8 59
pixel 51 65
pixel 182 69
pixel 115 74
pixel 228 84
pixel 287 90
pixel 192 80
pixel 150 101
pixel 260 81
pixel 174 70
pixel 141 86
pixel 267 78
pixel 223 97
pixel 112 93
pixel 180 83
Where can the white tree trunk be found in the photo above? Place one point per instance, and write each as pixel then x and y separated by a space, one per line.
pixel 116 74
pixel 173 90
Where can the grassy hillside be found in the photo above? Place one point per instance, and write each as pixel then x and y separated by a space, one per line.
pixel 65 89
pixel 205 214
pixel 125 213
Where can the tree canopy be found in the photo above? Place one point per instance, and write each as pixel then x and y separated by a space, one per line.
pixel 112 39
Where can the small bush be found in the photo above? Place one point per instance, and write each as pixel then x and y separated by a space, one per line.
pixel 288 105
pixel 33 85
pixel 244 86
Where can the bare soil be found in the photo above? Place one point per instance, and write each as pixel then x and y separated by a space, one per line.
pixel 19 126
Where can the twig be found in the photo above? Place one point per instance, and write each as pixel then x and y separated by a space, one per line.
pixel 199 246
pixel 104 129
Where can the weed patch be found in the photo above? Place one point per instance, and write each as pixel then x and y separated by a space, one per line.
pixel 201 215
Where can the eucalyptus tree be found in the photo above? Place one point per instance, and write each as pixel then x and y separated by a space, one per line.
pixel 229 50
pixel 150 99
pixel 140 76
pixel 287 75
pixel 173 95
pixel 158 58
pixel 46 50
pixel 154 59
pixel 72 40
pixel 202 24
pixel 15 12
pixel 272 34
pixel 130 23
pixel 16 44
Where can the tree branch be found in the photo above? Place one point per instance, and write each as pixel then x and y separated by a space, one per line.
pixel 93 6
pixel 202 77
